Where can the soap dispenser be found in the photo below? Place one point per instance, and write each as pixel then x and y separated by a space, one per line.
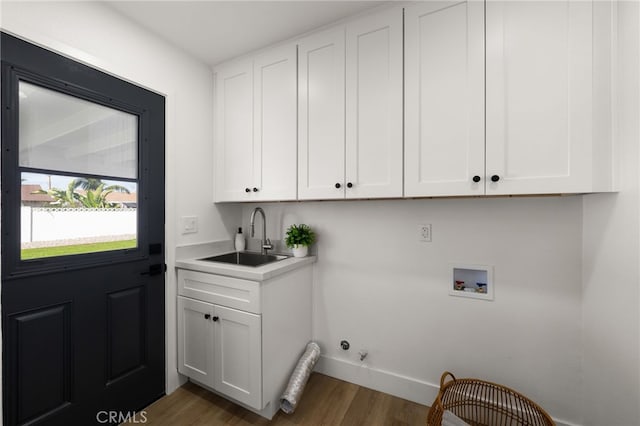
pixel 240 243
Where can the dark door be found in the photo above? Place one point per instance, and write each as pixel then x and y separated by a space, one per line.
pixel 82 241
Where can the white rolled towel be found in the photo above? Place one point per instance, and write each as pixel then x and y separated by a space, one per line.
pixel 299 378
pixel 450 419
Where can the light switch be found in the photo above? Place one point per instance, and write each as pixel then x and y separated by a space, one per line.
pixel 189 224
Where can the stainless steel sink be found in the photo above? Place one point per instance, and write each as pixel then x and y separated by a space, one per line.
pixel 245 258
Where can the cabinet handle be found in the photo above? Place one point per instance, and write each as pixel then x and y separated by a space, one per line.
pixel 495 178
pixel 207 316
pixel 476 179
pixel 338 185
pixel 215 318
pixel 247 190
pixel 255 189
pixel 349 185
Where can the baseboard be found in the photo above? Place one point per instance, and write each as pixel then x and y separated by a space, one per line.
pixel 385 381
pixel 564 423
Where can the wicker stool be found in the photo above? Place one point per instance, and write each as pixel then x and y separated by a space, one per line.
pixel 481 403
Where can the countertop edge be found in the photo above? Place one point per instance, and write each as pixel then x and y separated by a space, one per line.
pixel 260 273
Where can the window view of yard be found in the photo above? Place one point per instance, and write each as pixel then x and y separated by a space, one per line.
pixel 74 215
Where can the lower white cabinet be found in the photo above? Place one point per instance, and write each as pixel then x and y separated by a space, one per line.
pixel 221 348
pixel 195 340
pixel 246 350
pixel 237 355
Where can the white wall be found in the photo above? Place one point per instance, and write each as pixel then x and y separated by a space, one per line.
pixel 611 293
pixel 50 224
pixel 378 287
pixel 95 34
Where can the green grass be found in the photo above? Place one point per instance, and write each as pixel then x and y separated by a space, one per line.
pixel 37 253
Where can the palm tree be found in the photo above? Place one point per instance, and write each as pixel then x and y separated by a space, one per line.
pixel 92 198
pixel 62 198
pixel 97 198
pixel 89 184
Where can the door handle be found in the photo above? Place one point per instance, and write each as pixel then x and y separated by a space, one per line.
pixel 155 269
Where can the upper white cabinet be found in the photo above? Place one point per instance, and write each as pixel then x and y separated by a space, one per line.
pixel 233 149
pixel 498 97
pixel 321 118
pixel 444 98
pixel 256 127
pixel 350 110
pixel 374 106
pixel 540 97
pixel 543 134
pixel 275 124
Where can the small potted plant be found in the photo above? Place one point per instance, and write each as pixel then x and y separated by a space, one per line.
pixel 299 238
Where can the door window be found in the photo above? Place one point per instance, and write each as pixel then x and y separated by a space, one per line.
pixel 78 163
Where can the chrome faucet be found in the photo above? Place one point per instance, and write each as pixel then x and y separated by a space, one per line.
pixel 265 243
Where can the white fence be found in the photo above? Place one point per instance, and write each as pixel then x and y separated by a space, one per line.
pixel 46 224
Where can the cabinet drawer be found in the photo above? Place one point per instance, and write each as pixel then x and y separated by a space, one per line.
pixel 232 292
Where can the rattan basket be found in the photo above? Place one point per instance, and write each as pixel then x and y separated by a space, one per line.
pixel 481 403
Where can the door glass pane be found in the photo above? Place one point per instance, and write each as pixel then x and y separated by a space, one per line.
pixel 61 215
pixel 78 166
pixel 64 133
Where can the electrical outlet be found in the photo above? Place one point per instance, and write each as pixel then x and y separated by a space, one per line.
pixel 189 224
pixel 424 233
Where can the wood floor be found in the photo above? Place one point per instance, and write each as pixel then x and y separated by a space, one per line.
pixel 326 401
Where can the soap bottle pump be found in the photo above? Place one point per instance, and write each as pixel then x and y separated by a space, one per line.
pixel 240 243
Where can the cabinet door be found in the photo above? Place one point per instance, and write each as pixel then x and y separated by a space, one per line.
pixel 234 132
pixel 275 125
pixel 238 355
pixel 539 96
pixel 374 106
pixel 444 98
pixel 195 340
pixel 321 115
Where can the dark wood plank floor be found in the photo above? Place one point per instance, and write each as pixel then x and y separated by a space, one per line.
pixel 326 401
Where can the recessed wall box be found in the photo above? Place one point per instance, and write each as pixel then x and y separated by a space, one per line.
pixel 473 281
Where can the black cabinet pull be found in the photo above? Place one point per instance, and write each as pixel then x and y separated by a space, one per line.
pixel 216 318
pixel 247 190
pixel 207 316
pixel 476 179
pixel 338 185
pixel 255 189
pixel 349 185
pixel 495 178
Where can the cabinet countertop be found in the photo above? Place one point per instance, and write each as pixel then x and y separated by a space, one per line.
pixel 254 273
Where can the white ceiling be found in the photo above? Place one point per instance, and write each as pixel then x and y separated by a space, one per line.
pixel 215 31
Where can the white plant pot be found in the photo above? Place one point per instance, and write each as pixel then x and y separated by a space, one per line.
pixel 300 251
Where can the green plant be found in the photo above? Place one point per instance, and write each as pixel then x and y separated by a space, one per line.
pixel 301 235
